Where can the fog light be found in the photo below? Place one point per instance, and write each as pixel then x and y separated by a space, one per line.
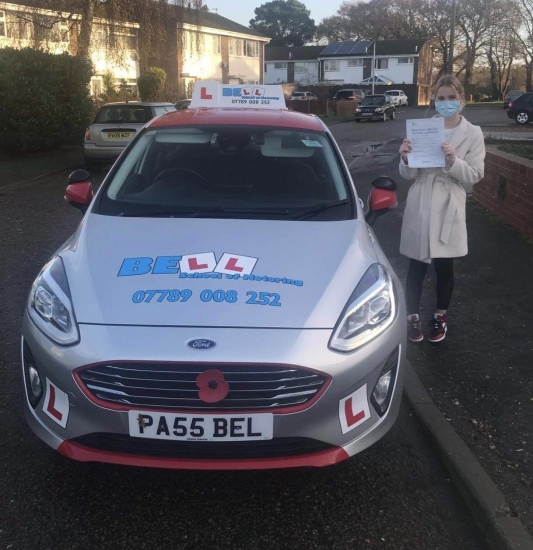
pixel 32 380
pixel 382 392
pixel 382 388
pixel 35 382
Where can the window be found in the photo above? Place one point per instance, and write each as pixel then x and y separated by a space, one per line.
pixel 405 60
pixel 382 63
pixel 300 67
pixel 3 23
pixel 355 62
pixel 216 43
pixel 280 65
pixel 59 32
pixel 331 65
pixel 251 48
pixel 126 39
pixel 235 46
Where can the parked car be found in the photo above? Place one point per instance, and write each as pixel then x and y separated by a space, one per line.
pixel 193 322
pixel 376 107
pixel 398 97
pixel 350 95
pixel 182 104
pixel 303 96
pixel 510 96
pixel 521 108
pixel 115 125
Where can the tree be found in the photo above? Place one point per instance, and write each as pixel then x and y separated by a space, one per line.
pixel 524 37
pixel 373 20
pixel 286 22
pixel 85 18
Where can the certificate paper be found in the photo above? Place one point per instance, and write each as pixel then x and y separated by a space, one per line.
pixel 427 137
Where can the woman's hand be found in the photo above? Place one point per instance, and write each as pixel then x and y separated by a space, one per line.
pixel 449 153
pixel 405 148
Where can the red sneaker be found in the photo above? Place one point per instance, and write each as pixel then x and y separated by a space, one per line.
pixel 414 328
pixel 438 327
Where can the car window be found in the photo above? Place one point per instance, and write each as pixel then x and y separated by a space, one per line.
pixel 259 172
pixel 123 113
pixel 162 110
pixel 297 94
pixel 393 93
pixel 373 100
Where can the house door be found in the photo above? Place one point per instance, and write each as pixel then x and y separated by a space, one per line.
pixel 367 68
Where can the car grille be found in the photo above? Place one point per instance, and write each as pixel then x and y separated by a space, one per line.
pixel 173 386
pixel 277 447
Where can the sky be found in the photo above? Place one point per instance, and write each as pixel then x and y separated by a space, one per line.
pixel 241 12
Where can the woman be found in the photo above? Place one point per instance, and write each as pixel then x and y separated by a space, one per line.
pixel 434 222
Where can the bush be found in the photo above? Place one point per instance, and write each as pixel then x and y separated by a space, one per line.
pixel 151 84
pixel 44 100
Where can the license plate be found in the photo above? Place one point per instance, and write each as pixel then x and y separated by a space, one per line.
pixel 201 427
pixel 368 114
pixel 119 135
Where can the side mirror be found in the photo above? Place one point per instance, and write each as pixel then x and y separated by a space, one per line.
pixel 384 182
pixel 80 194
pixel 380 201
pixel 79 176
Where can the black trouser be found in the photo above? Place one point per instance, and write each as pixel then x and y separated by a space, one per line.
pixel 415 280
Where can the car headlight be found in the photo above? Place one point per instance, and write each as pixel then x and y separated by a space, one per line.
pixel 370 310
pixel 379 109
pixel 357 110
pixel 50 304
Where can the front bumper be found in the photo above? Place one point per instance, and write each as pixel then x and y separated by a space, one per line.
pixel 319 424
pixel 371 116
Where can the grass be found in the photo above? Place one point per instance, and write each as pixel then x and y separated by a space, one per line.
pixel 521 149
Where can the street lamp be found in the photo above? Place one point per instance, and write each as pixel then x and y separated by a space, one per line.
pixel 374 68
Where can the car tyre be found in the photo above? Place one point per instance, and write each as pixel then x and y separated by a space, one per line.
pixel 522 117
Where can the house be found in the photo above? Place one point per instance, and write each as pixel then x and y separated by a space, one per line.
pixel 298 64
pixel 23 26
pixel 405 63
pixel 206 46
pixel 395 61
pixel 201 45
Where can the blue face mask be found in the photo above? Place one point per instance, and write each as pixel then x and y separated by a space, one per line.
pixel 447 108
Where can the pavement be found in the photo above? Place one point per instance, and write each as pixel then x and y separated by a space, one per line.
pixel 473 394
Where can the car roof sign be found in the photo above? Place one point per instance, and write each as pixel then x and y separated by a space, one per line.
pixel 213 94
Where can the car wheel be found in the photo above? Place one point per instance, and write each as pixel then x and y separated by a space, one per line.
pixel 393 115
pixel 522 117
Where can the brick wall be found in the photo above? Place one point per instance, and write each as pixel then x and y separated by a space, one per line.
pixel 507 189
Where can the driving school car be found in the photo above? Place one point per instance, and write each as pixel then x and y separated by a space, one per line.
pixel 223 304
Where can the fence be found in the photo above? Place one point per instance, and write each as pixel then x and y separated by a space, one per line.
pixel 322 106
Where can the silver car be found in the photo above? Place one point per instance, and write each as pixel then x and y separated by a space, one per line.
pixel 115 125
pixel 223 304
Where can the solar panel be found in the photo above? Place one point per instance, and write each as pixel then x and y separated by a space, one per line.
pixel 351 47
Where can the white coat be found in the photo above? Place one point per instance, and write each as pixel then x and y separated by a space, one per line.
pixel 434 221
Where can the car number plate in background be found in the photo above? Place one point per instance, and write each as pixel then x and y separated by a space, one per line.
pixel 200 427
pixel 368 114
pixel 119 135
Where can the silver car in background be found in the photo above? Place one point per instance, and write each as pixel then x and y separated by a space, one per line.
pixel 223 304
pixel 114 126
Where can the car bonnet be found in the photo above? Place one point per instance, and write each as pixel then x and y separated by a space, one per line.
pixel 235 273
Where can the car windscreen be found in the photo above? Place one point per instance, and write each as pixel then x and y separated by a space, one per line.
pixel 392 93
pixel 297 94
pixel 229 172
pixel 372 101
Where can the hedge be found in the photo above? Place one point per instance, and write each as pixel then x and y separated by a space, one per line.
pixel 44 100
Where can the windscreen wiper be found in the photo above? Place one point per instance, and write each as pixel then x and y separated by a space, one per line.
pixel 319 208
pixel 206 212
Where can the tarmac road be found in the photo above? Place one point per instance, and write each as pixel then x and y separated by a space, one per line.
pixel 395 495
